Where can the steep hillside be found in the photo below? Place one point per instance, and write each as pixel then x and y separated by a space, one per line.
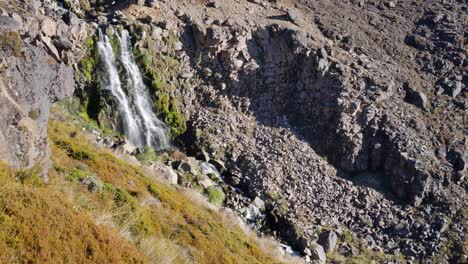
pixel 338 127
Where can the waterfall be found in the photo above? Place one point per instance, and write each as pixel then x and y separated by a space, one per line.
pixel 140 123
pixel 155 130
pixel 114 85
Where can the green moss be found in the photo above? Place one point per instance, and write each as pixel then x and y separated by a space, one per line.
pixel 77 175
pixel 92 97
pixel 159 70
pixel 11 42
pixel 73 150
pixel 121 197
pixel 215 195
pixel 148 155
pixel 115 43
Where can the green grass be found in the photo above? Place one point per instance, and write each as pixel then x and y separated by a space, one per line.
pixel 199 233
pixel 215 195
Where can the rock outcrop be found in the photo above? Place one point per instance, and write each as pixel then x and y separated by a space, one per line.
pixel 32 78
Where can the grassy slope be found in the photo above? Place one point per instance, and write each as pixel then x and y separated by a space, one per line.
pixel 37 225
pixel 99 209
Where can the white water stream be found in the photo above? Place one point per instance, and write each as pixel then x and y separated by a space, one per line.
pixel 140 123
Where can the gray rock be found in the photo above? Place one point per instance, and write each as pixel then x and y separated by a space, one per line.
pixel 71 18
pixel 8 24
pixel 33 85
pixel 259 203
pixel 418 98
pixel 317 253
pixel 328 240
pixel 49 27
pixel 62 44
pixel 459 159
pixel 165 173
pixel 51 48
pixel 152 3
pixel 206 183
pixel 392 4
pixel 293 15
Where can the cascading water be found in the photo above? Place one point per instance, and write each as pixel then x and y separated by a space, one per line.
pixel 140 124
pixel 114 85
pixel 156 132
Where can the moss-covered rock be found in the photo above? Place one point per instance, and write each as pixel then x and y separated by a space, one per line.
pixel 11 43
pixel 158 70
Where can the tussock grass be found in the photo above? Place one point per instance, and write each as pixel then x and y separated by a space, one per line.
pixel 165 223
pixel 38 225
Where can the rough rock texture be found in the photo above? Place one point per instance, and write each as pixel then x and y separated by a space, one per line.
pixel 341 129
pixel 30 81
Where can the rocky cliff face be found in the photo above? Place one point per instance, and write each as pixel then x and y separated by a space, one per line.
pixel 342 115
pixel 30 81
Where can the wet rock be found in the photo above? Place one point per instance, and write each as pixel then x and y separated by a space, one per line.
pixel 102 20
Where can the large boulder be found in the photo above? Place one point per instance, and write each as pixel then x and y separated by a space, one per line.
pixel 316 253
pixel 49 27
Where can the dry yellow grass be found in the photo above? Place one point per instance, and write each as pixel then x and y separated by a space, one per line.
pixel 160 220
pixel 37 225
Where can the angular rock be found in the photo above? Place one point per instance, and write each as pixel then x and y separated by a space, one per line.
pixel 328 240
pixel 49 27
pixel 63 44
pixel 418 98
pixel 259 203
pixel 51 48
pixel 206 183
pixel 293 15
pixel 128 148
pixel 317 253
pixel 70 18
pixel 165 173
pixel 8 24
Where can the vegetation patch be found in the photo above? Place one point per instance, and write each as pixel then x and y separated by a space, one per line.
pixel 37 225
pixel 159 70
pixel 149 214
pixel 11 43
pixel 215 195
